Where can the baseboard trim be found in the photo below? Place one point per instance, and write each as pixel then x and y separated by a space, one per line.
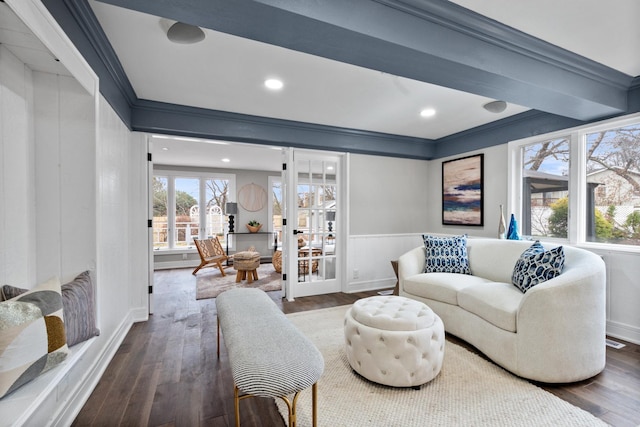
pixel 624 332
pixel 370 285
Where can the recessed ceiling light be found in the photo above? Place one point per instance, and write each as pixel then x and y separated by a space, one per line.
pixel 273 84
pixel 165 149
pixel 428 112
pixel 225 160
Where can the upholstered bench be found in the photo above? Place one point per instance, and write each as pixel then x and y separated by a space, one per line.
pixel 246 263
pixel 269 356
pixel 394 341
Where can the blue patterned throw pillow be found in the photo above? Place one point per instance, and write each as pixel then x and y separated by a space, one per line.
pixel 446 254
pixel 536 266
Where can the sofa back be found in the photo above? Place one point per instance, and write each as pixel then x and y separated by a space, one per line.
pixel 495 259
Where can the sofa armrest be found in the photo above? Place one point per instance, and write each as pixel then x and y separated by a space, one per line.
pixel 563 321
pixel 410 264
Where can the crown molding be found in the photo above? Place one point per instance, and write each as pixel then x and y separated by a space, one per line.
pixel 172 119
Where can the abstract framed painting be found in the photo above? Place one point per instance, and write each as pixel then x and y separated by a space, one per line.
pixel 462 191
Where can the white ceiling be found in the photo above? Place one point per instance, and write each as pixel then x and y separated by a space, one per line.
pixel 226 72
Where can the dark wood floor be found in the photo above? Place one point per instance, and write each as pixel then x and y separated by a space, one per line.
pixel 166 372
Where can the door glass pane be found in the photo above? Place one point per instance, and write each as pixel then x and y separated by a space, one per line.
pixel 160 236
pixel 276 209
pixel 187 222
pixel 613 186
pixel 316 220
pixel 545 196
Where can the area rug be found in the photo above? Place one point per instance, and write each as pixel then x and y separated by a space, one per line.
pixel 469 391
pixel 210 283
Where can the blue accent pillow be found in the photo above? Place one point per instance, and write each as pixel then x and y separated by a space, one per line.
pixel 536 266
pixel 446 254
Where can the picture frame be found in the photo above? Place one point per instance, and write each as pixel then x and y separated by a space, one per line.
pixel 463 191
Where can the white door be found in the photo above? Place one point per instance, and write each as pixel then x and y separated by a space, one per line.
pixel 312 209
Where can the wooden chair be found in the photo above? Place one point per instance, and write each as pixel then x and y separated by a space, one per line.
pixel 211 252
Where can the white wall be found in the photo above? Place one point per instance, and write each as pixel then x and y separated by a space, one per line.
pixel 388 204
pixel 73 197
pixel 17 191
pixel 388 195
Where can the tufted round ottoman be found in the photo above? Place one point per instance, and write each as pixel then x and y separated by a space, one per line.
pixel 394 341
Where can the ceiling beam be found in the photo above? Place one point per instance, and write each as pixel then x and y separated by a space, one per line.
pixel 436 42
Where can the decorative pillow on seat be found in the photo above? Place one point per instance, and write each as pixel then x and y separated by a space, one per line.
pixel 32 335
pixel 537 265
pixel 446 254
pixel 78 303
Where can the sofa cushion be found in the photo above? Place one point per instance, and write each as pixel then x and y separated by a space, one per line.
pixel 78 303
pixel 446 254
pixel 442 287
pixel 495 302
pixel 537 265
pixel 32 335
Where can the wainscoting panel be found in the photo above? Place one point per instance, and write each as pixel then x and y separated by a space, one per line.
pixel 369 259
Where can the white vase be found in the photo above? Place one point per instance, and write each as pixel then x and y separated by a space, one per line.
pixel 502 226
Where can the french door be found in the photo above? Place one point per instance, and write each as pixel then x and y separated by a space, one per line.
pixel 312 234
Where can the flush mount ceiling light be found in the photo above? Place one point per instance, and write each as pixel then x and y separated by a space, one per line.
pixel 273 84
pixel 495 106
pixel 225 160
pixel 182 33
pixel 428 112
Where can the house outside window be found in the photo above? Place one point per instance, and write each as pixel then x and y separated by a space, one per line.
pixel 581 184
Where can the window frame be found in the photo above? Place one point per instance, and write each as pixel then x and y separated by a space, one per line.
pixel 576 233
pixel 171 175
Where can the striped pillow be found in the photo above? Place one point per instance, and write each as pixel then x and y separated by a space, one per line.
pixel 79 307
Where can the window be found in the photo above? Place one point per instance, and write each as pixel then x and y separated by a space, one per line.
pixel 582 184
pixel 545 188
pixel 188 206
pixel 613 185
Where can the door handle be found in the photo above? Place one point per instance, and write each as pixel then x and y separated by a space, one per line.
pixel 297 232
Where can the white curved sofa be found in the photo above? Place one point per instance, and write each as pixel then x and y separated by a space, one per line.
pixel 553 333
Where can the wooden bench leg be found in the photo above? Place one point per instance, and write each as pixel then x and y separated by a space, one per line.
pixel 314 404
pixel 236 404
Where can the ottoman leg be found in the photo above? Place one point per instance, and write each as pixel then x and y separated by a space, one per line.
pixel 255 274
pixel 250 276
pixel 239 276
